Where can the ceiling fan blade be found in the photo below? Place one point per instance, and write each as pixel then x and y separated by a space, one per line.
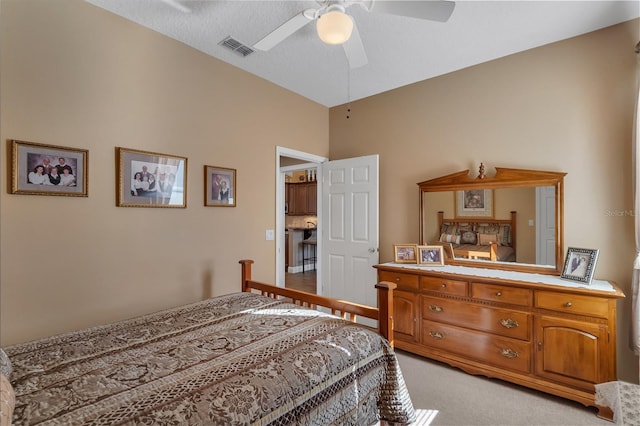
pixel 177 5
pixel 432 10
pixel 354 49
pixel 285 30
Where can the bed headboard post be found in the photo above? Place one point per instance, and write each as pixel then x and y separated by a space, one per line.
pixel 440 220
pixel 246 273
pixel 385 309
pixel 513 230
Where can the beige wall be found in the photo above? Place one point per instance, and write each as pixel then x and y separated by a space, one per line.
pixel 77 76
pixel 565 107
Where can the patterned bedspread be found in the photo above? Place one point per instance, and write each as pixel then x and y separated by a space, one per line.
pixel 235 359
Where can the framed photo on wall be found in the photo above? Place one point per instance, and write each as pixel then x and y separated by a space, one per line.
pixel 431 255
pixel 149 179
pixel 219 187
pixel 404 253
pixel 579 264
pixel 474 203
pixel 39 169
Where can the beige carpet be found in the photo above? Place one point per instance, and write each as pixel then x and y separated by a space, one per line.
pixel 443 395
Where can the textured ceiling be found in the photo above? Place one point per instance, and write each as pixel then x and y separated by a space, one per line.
pixel 400 50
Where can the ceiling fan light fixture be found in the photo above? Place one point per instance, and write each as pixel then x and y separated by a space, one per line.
pixel 334 27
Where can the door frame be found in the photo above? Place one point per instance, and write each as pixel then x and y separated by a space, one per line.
pixel 280 215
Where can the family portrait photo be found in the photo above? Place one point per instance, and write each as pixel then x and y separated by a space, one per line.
pixel 40 169
pixel 219 187
pixel 152 180
pixel 148 179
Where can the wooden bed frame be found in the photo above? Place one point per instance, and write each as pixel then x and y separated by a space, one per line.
pixel 347 310
pixel 492 254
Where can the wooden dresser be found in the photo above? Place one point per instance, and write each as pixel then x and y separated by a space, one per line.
pixel 533 330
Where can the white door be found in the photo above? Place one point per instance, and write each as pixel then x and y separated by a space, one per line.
pixel 546 225
pixel 350 229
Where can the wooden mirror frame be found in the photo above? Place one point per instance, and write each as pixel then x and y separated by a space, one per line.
pixel 504 178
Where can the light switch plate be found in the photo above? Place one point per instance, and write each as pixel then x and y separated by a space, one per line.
pixel 269 235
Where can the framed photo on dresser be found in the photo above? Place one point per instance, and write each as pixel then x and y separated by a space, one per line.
pixel 405 253
pixel 579 264
pixel 431 255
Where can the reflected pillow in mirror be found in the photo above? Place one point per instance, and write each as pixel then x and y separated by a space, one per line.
pixel 449 229
pixel 464 227
pixel 487 228
pixel 468 237
pixel 449 238
pixel 505 235
pixel 487 239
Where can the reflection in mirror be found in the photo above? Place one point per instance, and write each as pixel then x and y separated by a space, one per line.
pixel 534 232
pixel 511 221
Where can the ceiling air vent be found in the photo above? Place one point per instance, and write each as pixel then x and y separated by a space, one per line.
pixel 233 44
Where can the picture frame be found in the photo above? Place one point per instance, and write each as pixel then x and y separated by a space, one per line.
pixel 42 169
pixel 150 179
pixel 220 188
pixel 447 249
pixel 579 264
pixel 432 255
pixel 405 253
pixel 474 203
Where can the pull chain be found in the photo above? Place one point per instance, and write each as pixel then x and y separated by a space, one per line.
pixel 348 92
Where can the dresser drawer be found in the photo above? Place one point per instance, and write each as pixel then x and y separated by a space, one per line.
pixel 572 303
pixel 499 351
pixel 442 285
pixel 504 294
pixel 504 322
pixel 404 281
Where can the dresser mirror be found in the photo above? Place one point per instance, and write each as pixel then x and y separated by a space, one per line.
pixel 511 221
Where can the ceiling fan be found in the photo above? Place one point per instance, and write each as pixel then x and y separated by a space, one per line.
pixel 335 26
pixel 177 5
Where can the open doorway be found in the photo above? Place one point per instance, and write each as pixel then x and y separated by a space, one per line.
pixel 301 224
pixel 298 220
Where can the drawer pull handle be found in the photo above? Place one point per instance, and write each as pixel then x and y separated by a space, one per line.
pixel 568 304
pixel 508 353
pixel 436 335
pixel 444 285
pixel 398 279
pixel 509 323
pixel 436 308
pixel 499 293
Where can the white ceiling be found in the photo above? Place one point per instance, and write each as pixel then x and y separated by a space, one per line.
pixel 400 50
